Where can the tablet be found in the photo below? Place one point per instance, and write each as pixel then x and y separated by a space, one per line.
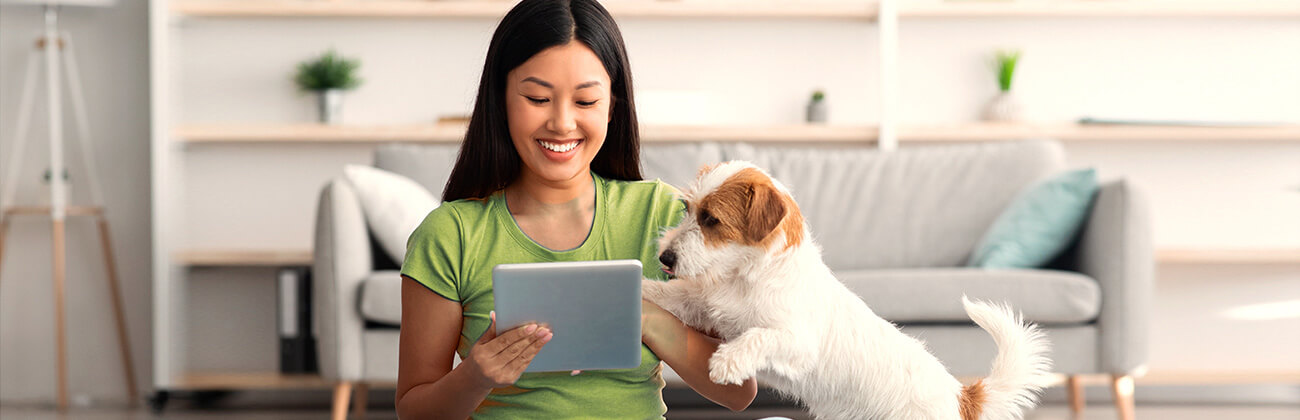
pixel 593 308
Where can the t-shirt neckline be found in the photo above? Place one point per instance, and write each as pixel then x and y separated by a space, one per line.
pixel 593 232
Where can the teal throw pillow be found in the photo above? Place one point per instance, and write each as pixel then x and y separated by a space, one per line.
pixel 1039 224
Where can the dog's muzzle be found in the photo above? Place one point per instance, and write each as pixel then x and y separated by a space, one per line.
pixel 668 259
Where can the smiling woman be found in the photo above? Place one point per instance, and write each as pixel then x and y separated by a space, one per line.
pixel 548 172
pixel 590 100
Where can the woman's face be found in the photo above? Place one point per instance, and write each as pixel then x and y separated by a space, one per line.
pixel 558 107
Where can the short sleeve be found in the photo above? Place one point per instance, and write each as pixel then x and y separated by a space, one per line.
pixel 433 253
pixel 667 213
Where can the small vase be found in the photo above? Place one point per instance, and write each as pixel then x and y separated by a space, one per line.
pixel 1005 107
pixel 816 112
pixel 331 103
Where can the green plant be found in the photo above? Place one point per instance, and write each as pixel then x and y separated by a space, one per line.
pixel 1006 62
pixel 329 71
pixel 818 95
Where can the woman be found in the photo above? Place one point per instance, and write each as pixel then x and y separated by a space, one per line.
pixel 549 171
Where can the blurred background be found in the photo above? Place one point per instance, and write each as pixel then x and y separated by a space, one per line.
pixel 211 160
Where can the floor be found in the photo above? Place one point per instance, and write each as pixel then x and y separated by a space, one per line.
pixel 1049 412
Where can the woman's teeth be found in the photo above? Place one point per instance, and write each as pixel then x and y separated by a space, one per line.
pixel 559 148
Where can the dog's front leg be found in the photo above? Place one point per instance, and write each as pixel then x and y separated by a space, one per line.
pixel 674 297
pixel 757 348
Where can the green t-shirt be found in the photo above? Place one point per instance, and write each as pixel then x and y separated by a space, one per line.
pixel 453 252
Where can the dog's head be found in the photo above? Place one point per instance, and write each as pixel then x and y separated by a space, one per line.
pixel 737 216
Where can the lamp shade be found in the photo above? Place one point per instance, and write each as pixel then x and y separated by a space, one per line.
pixel 89 3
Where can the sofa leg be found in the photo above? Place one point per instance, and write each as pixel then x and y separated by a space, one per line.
pixel 360 393
pixel 1074 392
pixel 1122 385
pixel 342 393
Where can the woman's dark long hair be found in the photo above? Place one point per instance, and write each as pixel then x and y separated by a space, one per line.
pixel 488 160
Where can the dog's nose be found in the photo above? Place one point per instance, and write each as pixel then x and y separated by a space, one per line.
pixel 668 258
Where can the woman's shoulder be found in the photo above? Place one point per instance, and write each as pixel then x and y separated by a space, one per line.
pixel 454 213
pixel 653 189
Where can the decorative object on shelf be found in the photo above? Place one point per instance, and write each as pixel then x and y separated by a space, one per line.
pixel 817 111
pixel 328 76
pixel 1005 107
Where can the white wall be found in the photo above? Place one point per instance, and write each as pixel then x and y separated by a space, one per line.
pixel 756 71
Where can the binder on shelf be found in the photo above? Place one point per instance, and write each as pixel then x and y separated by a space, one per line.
pixel 297 344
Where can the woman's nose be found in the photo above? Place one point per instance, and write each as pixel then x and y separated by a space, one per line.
pixel 562 121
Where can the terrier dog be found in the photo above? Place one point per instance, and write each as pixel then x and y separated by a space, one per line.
pixel 748 270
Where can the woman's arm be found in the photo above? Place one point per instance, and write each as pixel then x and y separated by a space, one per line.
pixel 427 386
pixel 687 351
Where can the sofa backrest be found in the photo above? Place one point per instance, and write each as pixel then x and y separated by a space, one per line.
pixel 914 207
pixel 924 206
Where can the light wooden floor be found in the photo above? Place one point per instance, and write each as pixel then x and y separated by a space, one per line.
pixel 1048 412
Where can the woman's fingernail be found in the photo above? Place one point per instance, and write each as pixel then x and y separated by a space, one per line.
pixel 575 373
pixel 530 328
pixel 547 337
pixel 543 332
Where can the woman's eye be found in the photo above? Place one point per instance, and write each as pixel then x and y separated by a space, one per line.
pixel 581 103
pixel 536 100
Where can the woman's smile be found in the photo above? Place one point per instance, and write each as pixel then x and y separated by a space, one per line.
pixel 560 150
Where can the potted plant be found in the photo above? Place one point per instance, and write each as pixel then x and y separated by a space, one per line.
pixel 817 111
pixel 328 76
pixel 1005 107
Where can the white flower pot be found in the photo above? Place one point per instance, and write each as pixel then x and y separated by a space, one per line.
pixel 330 102
pixel 816 112
pixel 1005 107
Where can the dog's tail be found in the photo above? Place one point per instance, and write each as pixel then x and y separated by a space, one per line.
pixel 1020 370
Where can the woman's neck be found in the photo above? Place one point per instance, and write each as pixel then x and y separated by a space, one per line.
pixel 531 195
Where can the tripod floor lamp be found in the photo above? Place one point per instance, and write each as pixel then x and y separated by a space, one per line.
pixel 54 49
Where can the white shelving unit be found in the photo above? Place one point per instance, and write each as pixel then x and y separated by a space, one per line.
pixel 173 140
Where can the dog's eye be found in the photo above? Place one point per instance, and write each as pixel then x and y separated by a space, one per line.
pixel 707 220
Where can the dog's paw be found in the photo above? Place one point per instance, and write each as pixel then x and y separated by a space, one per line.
pixel 653 290
pixel 728 367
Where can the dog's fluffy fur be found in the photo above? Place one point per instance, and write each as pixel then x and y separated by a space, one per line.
pixel 748 271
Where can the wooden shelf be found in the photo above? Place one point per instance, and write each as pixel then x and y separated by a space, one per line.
pixel 1229 256
pixel 244 258
pixel 1103 9
pixel 721 9
pixel 737 9
pixel 258 380
pixel 1097 132
pixel 453 133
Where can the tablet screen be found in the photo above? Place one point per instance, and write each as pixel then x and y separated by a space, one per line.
pixel 593 308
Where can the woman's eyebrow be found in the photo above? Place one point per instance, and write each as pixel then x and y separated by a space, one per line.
pixel 548 85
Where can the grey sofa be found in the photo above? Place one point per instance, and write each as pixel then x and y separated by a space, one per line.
pixel 896 227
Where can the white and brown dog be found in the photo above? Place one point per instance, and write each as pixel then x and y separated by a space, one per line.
pixel 747 270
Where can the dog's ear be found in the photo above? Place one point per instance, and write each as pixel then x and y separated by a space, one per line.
pixel 766 209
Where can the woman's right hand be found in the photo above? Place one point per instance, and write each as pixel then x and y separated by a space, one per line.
pixel 497 361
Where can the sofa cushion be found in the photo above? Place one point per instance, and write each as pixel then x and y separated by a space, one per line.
pixel 381 297
pixel 428 164
pixel 910 208
pixel 934 295
pixel 394 205
pixel 1040 223
pixel 677 164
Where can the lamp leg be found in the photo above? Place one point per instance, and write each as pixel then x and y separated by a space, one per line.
pixel 59 321
pixel 124 344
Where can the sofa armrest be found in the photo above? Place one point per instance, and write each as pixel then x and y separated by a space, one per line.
pixel 341 260
pixel 1115 248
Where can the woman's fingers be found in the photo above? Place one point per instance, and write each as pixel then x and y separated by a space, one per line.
pixel 526 356
pixel 530 336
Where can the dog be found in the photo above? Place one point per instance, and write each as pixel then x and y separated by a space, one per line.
pixel 748 271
